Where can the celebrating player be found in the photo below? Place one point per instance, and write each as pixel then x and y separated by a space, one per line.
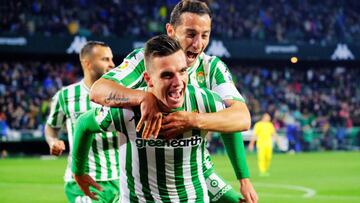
pixel 153 170
pixel 70 102
pixel 190 23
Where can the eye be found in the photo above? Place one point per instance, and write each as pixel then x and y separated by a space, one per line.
pixel 166 75
pixel 190 35
pixel 205 36
pixel 183 70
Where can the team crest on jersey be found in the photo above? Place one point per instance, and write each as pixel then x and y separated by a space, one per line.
pixel 123 65
pixel 200 77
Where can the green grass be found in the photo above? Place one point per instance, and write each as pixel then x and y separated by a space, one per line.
pixel 334 176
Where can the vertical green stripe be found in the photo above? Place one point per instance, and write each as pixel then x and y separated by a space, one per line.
pixel 54 118
pixel 212 70
pixel 77 99
pixel 204 97
pixel 66 102
pixel 179 176
pixel 116 114
pixel 106 147
pixel 210 101
pixel 194 173
pixel 143 170
pixel 97 160
pixel 115 141
pixel 88 107
pixel 161 174
pixel 134 75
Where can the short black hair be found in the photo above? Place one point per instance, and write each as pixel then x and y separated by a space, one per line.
pixel 191 6
pixel 87 48
pixel 161 45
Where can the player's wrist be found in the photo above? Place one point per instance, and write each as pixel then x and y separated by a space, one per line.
pixel 244 181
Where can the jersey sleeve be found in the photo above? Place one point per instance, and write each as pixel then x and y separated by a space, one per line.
pixel 130 72
pixel 221 81
pixel 57 116
pixel 104 118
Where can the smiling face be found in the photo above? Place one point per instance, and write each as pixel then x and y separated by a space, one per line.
pixel 167 78
pixel 193 34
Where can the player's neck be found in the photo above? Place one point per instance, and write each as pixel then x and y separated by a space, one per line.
pixel 88 81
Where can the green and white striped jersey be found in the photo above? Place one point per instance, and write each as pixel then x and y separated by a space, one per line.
pixel 68 104
pixel 208 72
pixel 161 170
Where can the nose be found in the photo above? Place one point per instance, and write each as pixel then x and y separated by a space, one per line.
pixel 197 41
pixel 112 65
pixel 176 81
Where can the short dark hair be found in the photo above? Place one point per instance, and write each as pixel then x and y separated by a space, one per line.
pixel 161 45
pixel 87 48
pixel 191 6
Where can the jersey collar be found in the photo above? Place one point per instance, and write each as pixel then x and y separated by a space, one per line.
pixel 196 64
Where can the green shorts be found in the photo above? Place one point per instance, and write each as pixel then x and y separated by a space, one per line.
pixel 219 190
pixel 110 193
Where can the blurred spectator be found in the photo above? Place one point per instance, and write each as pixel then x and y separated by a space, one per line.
pixel 26 88
pixel 281 21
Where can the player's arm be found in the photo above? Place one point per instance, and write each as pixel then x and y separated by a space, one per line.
pixel 84 134
pixel 116 89
pixel 54 122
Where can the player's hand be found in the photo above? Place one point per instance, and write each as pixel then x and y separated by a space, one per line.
pixel 177 123
pixel 248 191
pixel 57 147
pixel 151 117
pixel 84 182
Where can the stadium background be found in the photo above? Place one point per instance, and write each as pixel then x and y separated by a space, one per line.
pixel 298 60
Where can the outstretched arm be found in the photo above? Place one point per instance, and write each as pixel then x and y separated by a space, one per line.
pixel 109 93
pixel 85 128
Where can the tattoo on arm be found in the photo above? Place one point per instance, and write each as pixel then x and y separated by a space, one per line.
pixel 113 98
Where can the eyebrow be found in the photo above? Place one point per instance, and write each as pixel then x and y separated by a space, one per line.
pixel 193 30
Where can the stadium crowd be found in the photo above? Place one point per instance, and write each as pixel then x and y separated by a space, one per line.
pixel 267 20
pixel 321 102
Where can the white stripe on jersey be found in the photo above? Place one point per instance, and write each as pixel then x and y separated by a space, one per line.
pixel 227 91
pixel 200 170
pixel 152 177
pixel 189 187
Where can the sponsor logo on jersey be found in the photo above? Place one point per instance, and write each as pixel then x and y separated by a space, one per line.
pixel 175 143
pixel 221 193
pixel 200 77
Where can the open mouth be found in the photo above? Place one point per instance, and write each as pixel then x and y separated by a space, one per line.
pixel 191 55
pixel 175 98
pixel 175 94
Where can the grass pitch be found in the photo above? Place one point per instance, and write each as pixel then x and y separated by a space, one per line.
pixel 324 177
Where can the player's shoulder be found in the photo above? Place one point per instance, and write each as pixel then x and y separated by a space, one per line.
pixel 136 55
pixel 69 88
pixel 211 63
pixel 211 60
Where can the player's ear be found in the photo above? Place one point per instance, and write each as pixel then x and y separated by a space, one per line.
pixel 170 30
pixel 148 79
